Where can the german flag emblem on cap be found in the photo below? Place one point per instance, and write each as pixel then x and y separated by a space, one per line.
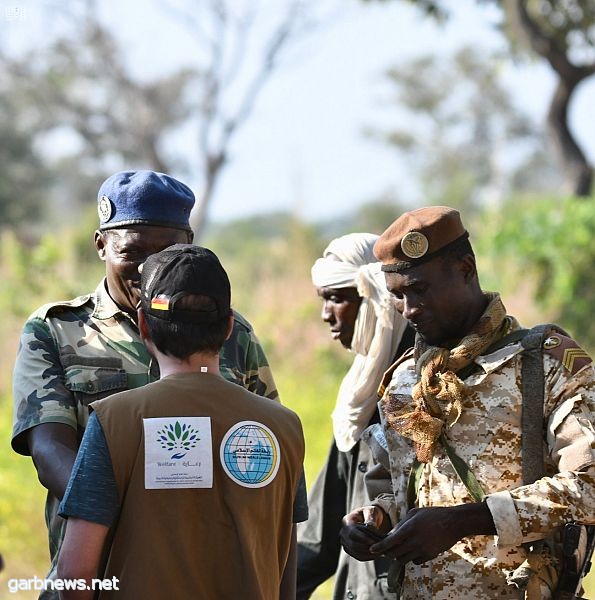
pixel 160 302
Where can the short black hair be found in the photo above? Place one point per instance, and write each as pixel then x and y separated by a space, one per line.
pixel 183 339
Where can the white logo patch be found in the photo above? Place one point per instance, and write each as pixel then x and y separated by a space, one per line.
pixel 178 453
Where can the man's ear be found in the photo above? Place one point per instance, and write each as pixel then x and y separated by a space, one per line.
pixel 100 244
pixel 190 237
pixel 468 267
pixel 230 325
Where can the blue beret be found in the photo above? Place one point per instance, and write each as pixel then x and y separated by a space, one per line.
pixel 144 198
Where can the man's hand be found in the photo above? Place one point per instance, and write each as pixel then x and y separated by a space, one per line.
pixel 426 532
pixel 354 537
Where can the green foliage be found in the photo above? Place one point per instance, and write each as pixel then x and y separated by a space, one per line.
pixel 274 250
pixel 23 542
pixel 58 267
pixel 548 243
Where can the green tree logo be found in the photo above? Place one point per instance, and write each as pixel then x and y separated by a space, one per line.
pixel 178 438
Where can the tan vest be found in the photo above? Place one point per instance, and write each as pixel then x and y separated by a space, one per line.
pixel 227 541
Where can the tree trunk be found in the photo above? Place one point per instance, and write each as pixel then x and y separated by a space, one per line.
pixel 578 171
pixel 198 218
pixel 574 163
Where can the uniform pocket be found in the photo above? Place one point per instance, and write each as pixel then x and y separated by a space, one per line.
pixel 92 378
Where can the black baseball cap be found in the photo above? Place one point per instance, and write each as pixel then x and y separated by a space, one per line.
pixel 179 271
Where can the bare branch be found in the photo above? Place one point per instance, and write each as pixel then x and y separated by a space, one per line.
pixel 271 56
pixel 192 21
pixel 243 27
pixel 218 78
pixel 212 82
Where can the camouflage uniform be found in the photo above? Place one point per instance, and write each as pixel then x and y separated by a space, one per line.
pixel 72 353
pixel 488 438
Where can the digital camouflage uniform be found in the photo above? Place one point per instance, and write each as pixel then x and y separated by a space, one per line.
pixel 72 353
pixel 488 438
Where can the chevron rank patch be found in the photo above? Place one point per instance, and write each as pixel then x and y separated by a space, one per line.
pixel 567 351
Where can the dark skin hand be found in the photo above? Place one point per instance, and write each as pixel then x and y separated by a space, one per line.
pixel 53 450
pixel 422 535
pixel 353 535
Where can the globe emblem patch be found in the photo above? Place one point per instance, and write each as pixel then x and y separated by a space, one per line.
pixel 250 454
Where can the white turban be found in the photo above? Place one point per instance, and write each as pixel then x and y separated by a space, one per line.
pixel 349 261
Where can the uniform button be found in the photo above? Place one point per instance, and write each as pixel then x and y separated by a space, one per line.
pixel 89 386
pixel 363 467
pixel 350 594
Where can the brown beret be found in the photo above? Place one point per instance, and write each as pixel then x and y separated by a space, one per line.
pixel 418 236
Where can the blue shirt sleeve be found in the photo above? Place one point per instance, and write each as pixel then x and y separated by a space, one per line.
pixel 92 493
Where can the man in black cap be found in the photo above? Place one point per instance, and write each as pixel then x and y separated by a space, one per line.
pixel 72 353
pixel 182 468
pixel 477 478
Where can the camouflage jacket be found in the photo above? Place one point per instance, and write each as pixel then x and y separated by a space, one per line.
pixel 488 438
pixel 72 353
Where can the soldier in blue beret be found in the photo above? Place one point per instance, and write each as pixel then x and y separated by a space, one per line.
pixel 74 352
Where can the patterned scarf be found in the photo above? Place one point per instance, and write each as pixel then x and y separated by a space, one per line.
pixel 436 401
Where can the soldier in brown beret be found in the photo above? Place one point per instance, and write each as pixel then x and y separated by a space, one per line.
pixel 463 514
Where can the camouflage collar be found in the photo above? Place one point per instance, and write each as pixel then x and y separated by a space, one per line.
pixel 105 307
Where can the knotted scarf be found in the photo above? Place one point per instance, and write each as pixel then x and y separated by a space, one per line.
pixel 436 401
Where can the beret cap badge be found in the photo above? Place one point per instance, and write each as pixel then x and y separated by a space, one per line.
pixel 104 208
pixel 414 244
